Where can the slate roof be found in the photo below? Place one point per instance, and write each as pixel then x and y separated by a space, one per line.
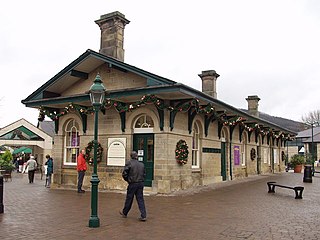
pixel 47 127
pixel 289 124
pixel 49 94
pixel 306 135
pixel 316 138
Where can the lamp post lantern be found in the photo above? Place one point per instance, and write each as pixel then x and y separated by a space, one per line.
pixel 97 95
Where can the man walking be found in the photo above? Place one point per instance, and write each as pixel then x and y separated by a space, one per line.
pixel 32 166
pixel 134 173
pixel 81 168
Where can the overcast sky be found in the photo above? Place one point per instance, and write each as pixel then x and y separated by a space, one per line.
pixel 268 48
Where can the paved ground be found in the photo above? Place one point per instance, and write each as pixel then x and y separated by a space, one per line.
pixel 241 209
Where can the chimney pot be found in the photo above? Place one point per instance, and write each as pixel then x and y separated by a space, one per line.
pixel 112 34
pixel 209 79
pixel 253 104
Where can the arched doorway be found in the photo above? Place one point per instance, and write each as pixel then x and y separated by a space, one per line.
pixel 143 144
pixel 224 154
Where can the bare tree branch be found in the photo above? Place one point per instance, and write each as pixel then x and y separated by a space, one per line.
pixel 312 118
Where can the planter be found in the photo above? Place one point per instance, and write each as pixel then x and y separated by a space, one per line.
pixel 298 168
pixel 6 174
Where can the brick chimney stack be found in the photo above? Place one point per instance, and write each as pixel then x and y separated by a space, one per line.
pixel 112 34
pixel 209 79
pixel 253 103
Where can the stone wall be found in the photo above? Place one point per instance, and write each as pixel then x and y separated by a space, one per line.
pixel 168 176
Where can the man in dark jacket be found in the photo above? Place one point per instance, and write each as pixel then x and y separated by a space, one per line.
pixel 134 173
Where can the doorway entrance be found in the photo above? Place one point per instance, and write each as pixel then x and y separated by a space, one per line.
pixel 143 144
pixel 223 161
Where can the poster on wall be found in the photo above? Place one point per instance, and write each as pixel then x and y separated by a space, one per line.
pixel 236 155
pixel 116 152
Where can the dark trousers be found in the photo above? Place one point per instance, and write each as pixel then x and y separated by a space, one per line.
pixel 135 189
pixel 80 179
pixel 31 175
pixel 48 180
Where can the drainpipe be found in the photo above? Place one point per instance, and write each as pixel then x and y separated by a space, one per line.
pixel 230 160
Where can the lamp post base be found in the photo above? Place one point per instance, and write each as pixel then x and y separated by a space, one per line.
pixel 94 222
pixel 94 219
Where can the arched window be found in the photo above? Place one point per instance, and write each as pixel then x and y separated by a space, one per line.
pixel 71 142
pixel 144 124
pixel 195 146
pixel 244 150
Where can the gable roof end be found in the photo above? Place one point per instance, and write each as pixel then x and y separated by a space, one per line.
pixel 87 62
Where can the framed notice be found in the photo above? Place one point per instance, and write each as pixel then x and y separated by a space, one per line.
pixel 236 155
pixel 116 152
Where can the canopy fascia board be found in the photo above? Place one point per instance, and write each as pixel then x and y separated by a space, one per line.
pixel 41 144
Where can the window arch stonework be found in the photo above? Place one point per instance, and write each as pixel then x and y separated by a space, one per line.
pixel 71 146
pixel 196 144
pixel 135 115
pixel 143 124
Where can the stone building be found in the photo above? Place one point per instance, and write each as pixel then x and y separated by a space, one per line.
pixel 156 117
pixel 308 142
pixel 21 135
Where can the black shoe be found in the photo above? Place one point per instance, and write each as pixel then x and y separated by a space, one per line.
pixel 81 191
pixel 122 214
pixel 142 219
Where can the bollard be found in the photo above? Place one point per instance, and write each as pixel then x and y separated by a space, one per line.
pixel 307 176
pixel 1 195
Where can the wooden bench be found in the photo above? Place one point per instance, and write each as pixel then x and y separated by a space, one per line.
pixel 298 190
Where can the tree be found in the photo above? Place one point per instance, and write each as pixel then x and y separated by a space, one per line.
pixel 6 161
pixel 312 118
pixel 7 156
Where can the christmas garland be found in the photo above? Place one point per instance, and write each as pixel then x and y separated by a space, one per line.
pixel 89 148
pixel 182 152
pixel 160 104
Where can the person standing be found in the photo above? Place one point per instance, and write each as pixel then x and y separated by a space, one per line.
pixel 49 164
pixel 134 173
pixel 81 168
pixel 20 162
pixel 32 166
pixel 16 164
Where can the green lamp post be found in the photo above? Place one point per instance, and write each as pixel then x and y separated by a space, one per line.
pixel 97 95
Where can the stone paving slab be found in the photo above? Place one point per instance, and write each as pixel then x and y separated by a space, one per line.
pixel 241 209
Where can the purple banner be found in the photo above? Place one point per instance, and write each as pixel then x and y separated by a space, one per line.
pixel 236 155
pixel 74 139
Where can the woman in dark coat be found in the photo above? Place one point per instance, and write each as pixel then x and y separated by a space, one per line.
pixel 49 164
